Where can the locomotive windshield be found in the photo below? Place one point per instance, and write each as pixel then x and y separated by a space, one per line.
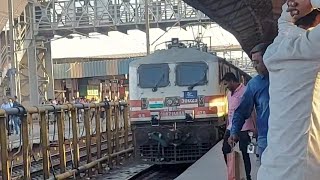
pixel 191 74
pixel 153 75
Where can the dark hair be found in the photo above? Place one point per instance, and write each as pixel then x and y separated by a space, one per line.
pixel 262 47
pixel 230 77
pixel 308 19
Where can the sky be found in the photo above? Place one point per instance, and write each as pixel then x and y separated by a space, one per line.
pixel 135 41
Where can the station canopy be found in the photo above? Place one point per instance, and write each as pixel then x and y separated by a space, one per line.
pixel 250 21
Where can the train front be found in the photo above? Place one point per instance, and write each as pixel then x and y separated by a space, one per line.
pixel 176 104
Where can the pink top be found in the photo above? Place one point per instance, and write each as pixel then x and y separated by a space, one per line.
pixel 233 103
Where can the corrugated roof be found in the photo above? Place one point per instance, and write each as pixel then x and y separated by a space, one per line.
pixel 98 58
pixel 250 21
pixel 61 71
pixel 94 68
pixel 91 69
pixel 123 66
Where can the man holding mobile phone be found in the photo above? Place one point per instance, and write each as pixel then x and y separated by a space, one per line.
pixel 293 61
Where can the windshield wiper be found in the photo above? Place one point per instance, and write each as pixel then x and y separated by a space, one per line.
pixel 155 88
pixel 203 79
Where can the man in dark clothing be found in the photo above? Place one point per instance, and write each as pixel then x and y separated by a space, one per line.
pixel 16 119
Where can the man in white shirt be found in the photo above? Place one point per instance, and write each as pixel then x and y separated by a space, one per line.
pixel 7 105
pixel 293 61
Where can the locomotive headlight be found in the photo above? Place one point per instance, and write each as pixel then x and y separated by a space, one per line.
pixel 220 104
pixel 216 103
pixel 220 101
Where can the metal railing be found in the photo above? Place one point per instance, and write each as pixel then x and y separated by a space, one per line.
pixel 104 141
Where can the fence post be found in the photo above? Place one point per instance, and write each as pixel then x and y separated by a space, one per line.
pixel 126 128
pixel 25 145
pixel 4 149
pixel 75 144
pixel 88 137
pixel 98 136
pixel 116 133
pixel 44 144
pixel 108 123
pixel 62 147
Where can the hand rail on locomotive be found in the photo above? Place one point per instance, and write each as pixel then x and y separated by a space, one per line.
pixel 175 42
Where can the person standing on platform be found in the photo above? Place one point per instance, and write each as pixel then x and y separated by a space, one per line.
pixel 16 118
pixel 7 105
pixel 234 96
pixel 293 61
pixel 255 97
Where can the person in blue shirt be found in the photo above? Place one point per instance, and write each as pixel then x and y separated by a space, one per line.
pixel 256 96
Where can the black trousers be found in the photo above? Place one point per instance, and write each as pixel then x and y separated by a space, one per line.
pixel 244 140
pixel 9 127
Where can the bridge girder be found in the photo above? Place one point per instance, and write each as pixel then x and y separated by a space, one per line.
pixel 66 17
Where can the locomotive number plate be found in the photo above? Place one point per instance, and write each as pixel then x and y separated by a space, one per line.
pixel 189 101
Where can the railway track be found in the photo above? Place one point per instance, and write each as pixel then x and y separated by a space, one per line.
pixel 161 172
pixel 36 165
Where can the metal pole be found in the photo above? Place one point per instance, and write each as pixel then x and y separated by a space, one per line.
pixel 33 64
pixel 13 84
pixel 147 26
pixel 210 42
pixel 5 166
pixel 49 69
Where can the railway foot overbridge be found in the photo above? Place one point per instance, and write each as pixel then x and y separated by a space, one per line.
pixel 30 71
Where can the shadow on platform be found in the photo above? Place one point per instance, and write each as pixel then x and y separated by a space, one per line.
pixel 211 166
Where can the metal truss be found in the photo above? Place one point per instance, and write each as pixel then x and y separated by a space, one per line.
pixel 34 78
pixel 33 57
pixel 4 63
pixel 61 17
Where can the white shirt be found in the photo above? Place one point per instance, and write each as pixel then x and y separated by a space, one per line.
pixel 6 106
pixel 293 61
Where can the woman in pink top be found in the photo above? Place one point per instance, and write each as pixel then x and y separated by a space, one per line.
pixel 236 90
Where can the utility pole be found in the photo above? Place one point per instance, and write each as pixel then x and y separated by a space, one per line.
pixel 13 81
pixel 147 25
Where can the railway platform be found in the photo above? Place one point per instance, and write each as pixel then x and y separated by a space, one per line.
pixel 211 166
